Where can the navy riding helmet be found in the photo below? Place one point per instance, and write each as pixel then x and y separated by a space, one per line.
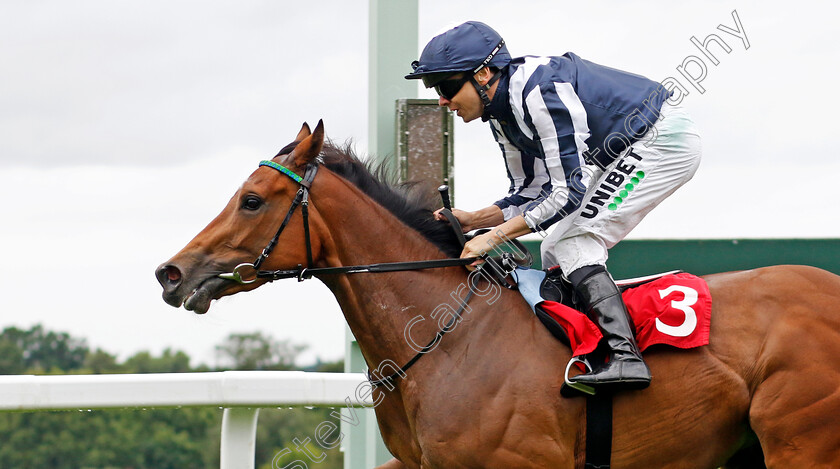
pixel 467 48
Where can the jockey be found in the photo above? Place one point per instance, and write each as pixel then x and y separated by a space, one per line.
pixel 589 151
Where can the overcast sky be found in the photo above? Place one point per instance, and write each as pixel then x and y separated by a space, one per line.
pixel 126 126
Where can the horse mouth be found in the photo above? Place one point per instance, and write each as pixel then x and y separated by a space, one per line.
pixel 198 300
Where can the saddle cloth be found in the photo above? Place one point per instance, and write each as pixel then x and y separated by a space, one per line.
pixel 672 309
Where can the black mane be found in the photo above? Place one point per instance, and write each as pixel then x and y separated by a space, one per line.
pixel 411 202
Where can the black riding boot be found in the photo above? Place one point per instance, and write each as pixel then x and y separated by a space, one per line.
pixel 625 369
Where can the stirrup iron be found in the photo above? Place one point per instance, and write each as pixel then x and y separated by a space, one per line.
pixel 584 388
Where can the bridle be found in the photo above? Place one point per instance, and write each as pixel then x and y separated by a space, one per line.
pixel 246 273
pixel 249 272
pixel 252 272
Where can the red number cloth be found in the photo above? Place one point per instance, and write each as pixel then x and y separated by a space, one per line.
pixel 675 310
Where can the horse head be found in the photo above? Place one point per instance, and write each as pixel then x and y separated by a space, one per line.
pixel 241 232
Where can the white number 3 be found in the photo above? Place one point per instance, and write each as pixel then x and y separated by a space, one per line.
pixel 684 305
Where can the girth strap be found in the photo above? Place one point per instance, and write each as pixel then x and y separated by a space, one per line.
pixel 599 416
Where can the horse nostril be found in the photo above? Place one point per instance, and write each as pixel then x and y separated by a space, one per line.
pixel 169 276
pixel 173 274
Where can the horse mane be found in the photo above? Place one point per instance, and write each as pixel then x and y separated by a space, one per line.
pixel 408 201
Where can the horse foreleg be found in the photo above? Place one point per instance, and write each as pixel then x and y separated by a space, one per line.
pixel 392 464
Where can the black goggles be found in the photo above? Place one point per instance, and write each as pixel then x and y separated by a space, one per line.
pixel 447 89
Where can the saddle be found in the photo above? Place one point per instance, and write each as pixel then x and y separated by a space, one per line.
pixel 669 308
pixel 672 308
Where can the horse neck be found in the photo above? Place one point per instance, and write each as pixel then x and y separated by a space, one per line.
pixel 378 306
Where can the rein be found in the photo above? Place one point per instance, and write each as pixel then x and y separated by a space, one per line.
pixel 246 273
pixel 249 272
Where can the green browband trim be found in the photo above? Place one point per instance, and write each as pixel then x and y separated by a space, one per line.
pixel 282 169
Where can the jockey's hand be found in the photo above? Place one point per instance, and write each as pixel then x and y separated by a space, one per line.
pixel 464 218
pixel 478 246
pixel 487 243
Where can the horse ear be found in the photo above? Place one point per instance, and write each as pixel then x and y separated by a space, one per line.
pixel 304 132
pixel 310 146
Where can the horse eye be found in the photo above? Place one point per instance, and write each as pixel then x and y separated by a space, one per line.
pixel 251 202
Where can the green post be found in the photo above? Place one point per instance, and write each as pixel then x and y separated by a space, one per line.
pixel 392 42
pixel 392 47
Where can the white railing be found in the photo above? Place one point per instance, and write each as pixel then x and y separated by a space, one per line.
pixel 241 393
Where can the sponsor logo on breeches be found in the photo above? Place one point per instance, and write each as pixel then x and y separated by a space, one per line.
pixel 616 187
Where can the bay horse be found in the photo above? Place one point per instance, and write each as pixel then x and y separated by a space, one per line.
pixel 766 390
